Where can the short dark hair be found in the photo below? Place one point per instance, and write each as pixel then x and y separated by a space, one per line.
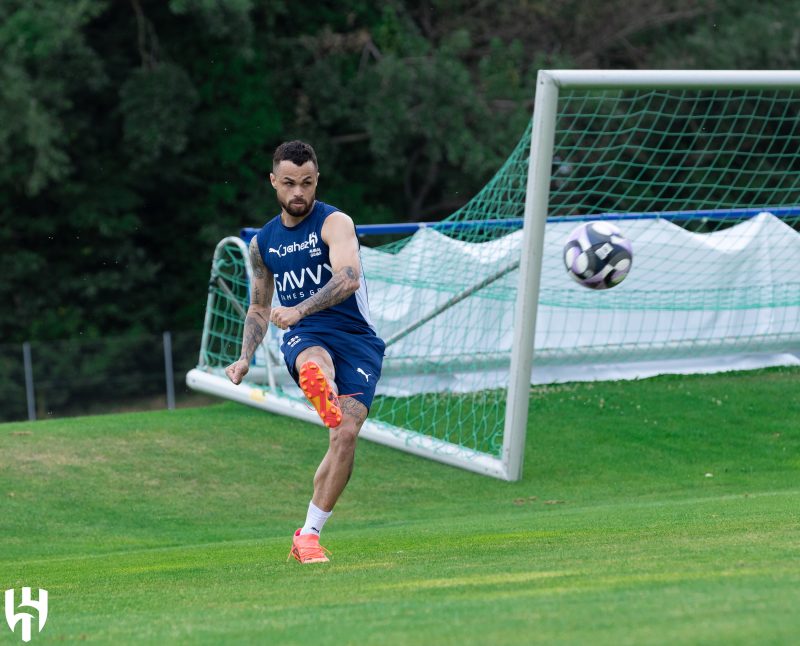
pixel 297 152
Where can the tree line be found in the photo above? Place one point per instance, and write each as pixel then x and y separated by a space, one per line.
pixel 136 134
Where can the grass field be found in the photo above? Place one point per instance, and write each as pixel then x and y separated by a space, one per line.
pixel 655 511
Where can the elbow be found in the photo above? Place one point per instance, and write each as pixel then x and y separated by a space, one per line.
pixel 353 280
pixel 259 311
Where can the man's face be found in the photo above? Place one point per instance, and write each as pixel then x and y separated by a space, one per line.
pixel 296 186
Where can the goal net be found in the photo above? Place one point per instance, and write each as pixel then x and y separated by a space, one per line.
pixel 698 169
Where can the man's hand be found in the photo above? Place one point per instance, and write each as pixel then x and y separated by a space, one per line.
pixel 237 370
pixel 285 317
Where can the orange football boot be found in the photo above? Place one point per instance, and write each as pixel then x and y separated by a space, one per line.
pixel 306 549
pixel 319 392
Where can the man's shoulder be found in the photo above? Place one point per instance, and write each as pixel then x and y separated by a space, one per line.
pixel 339 225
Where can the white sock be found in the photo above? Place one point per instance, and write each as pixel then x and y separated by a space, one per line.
pixel 315 520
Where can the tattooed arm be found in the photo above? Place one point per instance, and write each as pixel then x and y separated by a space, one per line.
pixel 257 319
pixel 339 233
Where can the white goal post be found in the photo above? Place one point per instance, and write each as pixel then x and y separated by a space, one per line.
pixel 548 85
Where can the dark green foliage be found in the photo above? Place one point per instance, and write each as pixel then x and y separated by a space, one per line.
pixel 157 106
pixel 134 135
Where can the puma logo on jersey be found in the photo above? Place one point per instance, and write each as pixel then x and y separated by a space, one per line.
pixel 284 250
pixel 366 376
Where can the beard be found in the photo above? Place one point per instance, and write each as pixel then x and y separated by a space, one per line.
pixel 298 209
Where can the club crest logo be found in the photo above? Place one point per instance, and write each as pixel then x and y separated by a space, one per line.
pixel 26 618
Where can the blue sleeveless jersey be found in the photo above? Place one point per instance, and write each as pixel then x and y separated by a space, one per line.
pixel 298 259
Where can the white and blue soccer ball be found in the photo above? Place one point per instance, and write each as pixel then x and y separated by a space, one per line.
pixel 597 255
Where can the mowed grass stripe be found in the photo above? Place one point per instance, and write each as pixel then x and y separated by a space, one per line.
pixel 570 519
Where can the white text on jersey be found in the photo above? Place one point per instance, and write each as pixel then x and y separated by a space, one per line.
pixel 289 280
pixel 284 250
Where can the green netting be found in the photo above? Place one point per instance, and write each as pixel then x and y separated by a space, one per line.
pixel 712 279
pixel 675 151
pixel 228 300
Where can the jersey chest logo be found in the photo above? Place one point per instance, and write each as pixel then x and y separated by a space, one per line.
pixel 290 280
pixel 283 250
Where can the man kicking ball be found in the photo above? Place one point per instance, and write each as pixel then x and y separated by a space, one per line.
pixel 310 252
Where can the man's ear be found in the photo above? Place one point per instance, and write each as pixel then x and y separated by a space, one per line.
pixel 273 180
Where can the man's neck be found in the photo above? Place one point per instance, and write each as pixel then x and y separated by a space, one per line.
pixel 290 220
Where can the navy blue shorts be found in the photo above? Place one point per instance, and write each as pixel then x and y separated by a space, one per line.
pixel 357 358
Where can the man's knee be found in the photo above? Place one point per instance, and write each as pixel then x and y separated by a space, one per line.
pixel 344 436
pixel 318 355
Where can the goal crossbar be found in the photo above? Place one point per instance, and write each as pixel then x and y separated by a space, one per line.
pixel 671 79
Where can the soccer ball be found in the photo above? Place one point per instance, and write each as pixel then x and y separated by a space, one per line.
pixel 597 255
